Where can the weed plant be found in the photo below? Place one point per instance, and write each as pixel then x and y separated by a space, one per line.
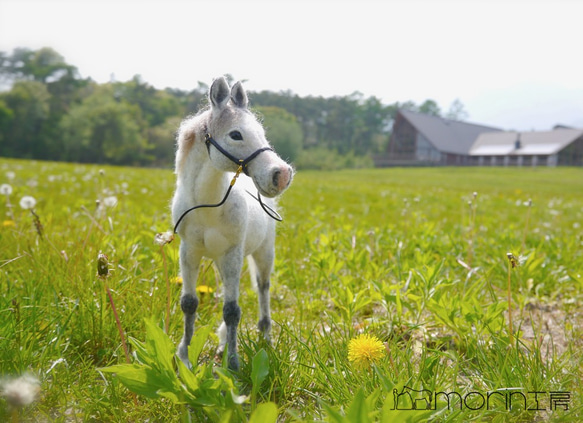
pixel 396 254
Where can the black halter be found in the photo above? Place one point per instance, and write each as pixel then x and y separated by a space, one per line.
pixel 242 163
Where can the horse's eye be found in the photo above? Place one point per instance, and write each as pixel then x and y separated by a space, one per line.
pixel 236 135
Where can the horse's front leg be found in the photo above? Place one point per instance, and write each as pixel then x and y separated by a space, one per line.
pixel 263 266
pixel 189 265
pixel 230 268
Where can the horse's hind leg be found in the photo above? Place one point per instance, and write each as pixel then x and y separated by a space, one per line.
pixel 189 264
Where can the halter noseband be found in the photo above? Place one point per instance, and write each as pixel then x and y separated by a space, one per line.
pixel 242 163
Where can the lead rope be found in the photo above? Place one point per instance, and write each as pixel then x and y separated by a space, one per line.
pixel 267 209
pixel 239 170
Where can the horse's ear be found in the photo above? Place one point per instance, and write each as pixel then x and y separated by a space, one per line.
pixel 219 93
pixel 239 96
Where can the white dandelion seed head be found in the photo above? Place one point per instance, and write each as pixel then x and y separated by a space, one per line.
pixel 10 175
pixel 110 201
pixel 164 238
pixel 21 391
pixel 5 189
pixel 27 202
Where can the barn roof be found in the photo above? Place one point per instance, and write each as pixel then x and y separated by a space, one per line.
pixel 448 136
pixel 530 143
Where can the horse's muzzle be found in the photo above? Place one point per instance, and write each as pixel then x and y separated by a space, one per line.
pixel 282 177
pixel 275 180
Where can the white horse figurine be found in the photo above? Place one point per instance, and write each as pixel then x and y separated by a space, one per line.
pixel 229 222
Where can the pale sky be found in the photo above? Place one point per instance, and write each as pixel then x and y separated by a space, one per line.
pixel 513 64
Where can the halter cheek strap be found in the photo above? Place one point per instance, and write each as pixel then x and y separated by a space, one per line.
pixel 243 163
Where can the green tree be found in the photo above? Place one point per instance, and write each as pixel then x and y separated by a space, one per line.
pixel 283 131
pixel 104 129
pixel 457 111
pixel 26 110
pixel 6 116
pixel 371 127
pixel 156 105
pixel 162 142
pixel 430 107
pixel 44 65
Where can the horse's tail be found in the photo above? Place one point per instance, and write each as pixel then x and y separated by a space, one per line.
pixel 252 272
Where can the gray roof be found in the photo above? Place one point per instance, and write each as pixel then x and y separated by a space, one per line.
pixel 448 136
pixel 531 143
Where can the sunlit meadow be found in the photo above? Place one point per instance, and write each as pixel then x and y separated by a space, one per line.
pixel 392 291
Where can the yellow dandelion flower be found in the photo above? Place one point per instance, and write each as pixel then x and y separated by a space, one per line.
pixel 203 289
pixel 364 350
pixel 8 223
pixel 177 279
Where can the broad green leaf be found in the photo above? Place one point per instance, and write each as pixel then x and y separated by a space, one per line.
pixel 334 416
pixel 358 410
pixel 259 369
pixel 135 377
pixel 187 376
pixel 387 385
pixel 197 343
pixel 171 395
pixel 264 413
pixel 159 346
pixel 141 352
pixel 226 417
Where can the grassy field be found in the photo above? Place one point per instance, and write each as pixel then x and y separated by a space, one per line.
pixel 414 258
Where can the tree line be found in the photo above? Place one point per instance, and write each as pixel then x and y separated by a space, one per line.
pixel 48 111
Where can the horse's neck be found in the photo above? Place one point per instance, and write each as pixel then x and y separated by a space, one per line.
pixel 202 180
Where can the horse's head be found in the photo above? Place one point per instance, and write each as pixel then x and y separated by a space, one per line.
pixel 236 136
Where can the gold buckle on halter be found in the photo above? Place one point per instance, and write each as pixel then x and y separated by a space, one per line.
pixel 239 170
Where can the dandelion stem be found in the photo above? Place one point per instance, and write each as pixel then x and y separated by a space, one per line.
pixel 526 226
pixel 119 328
pixel 167 320
pixel 9 208
pixel 391 359
pixel 512 263
pixel 510 329
pixel 472 204
pixel 37 223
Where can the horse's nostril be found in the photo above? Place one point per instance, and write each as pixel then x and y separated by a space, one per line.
pixel 275 179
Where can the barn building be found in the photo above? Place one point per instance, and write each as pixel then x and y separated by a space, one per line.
pixel 561 146
pixel 423 140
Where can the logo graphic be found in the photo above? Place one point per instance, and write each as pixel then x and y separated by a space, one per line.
pixel 501 399
pixel 412 399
